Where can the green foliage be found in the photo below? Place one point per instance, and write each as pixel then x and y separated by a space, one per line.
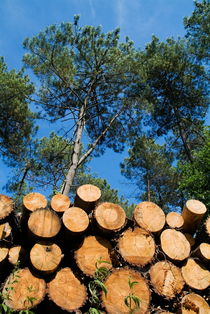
pixel 96 285
pixel 16 119
pixel 131 299
pixel 198 30
pixel 194 177
pixel 149 167
pixel 176 90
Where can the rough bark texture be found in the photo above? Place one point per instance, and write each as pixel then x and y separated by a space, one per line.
pixel 137 247
pixel 166 279
pixel 87 196
pixel 118 288
pixel 44 223
pixel 92 251
pixel 196 275
pixel 45 257
pixel 175 245
pixel 144 214
pixel 66 291
pixel 27 290
pixel 193 213
pixel 110 217
pixel 60 203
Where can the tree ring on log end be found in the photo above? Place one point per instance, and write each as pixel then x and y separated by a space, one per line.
pixel 66 291
pixel 75 219
pixel 149 216
pixel 34 200
pixel 137 246
pixel 193 303
pixel 6 206
pixel 60 202
pixel 118 289
pixel 110 216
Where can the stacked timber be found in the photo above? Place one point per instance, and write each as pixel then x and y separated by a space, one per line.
pixel 154 263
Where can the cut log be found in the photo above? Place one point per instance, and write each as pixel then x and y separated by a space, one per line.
pixel 66 291
pixel 33 201
pixel 60 203
pixel 87 196
pixel 3 254
pixel 204 234
pixel 166 279
pixel 194 304
pixel 196 275
pixel 118 288
pixel 17 253
pixel 5 231
pixel 45 257
pixel 75 220
pixel 110 217
pixel 6 206
pixel 174 220
pixel 203 252
pixel 175 245
pixel 190 239
pixel 149 216
pixel 193 213
pixel 44 223
pixel 23 291
pixel 92 251
pixel 136 247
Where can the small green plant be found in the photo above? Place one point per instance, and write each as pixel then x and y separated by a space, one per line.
pixel 96 285
pixel 132 298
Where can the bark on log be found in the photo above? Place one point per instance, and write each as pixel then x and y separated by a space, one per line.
pixel 75 220
pixel 203 252
pixel 166 279
pixel 92 251
pixel 66 291
pixel 44 223
pixel 149 216
pixel 45 257
pixel 196 275
pixel 174 220
pixel 33 201
pixel 136 247
pixel 193 213
pixel 175 245
pixel 60 203
pixel 190 239
pixel 17 253
pixel 27 290
pixel 87 196
pixel 110 217
pixel 194 304
pixel 6 206
pixel 118 289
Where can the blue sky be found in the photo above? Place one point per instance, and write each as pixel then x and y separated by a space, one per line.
pixel 138 19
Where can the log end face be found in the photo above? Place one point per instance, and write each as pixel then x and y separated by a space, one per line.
pixel 89 193
pixel 110 216
pixel 6 206
pixel 196 207
pixel 75 219
pixel 60 202
pixel 34 200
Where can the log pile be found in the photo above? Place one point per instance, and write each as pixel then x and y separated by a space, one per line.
pixel 50 255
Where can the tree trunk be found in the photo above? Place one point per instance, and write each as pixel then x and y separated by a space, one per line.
pixel 23 291
pixel 91 252
pixel 136 247
pixel 196 275
pixel 194 304
pixel 76 152
pixel 175 245
pixel 109 217
pixel 144 215
pixel 118 289
pixel 66 291
pixel 87 196
pixel 45 257
pixel 166 279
